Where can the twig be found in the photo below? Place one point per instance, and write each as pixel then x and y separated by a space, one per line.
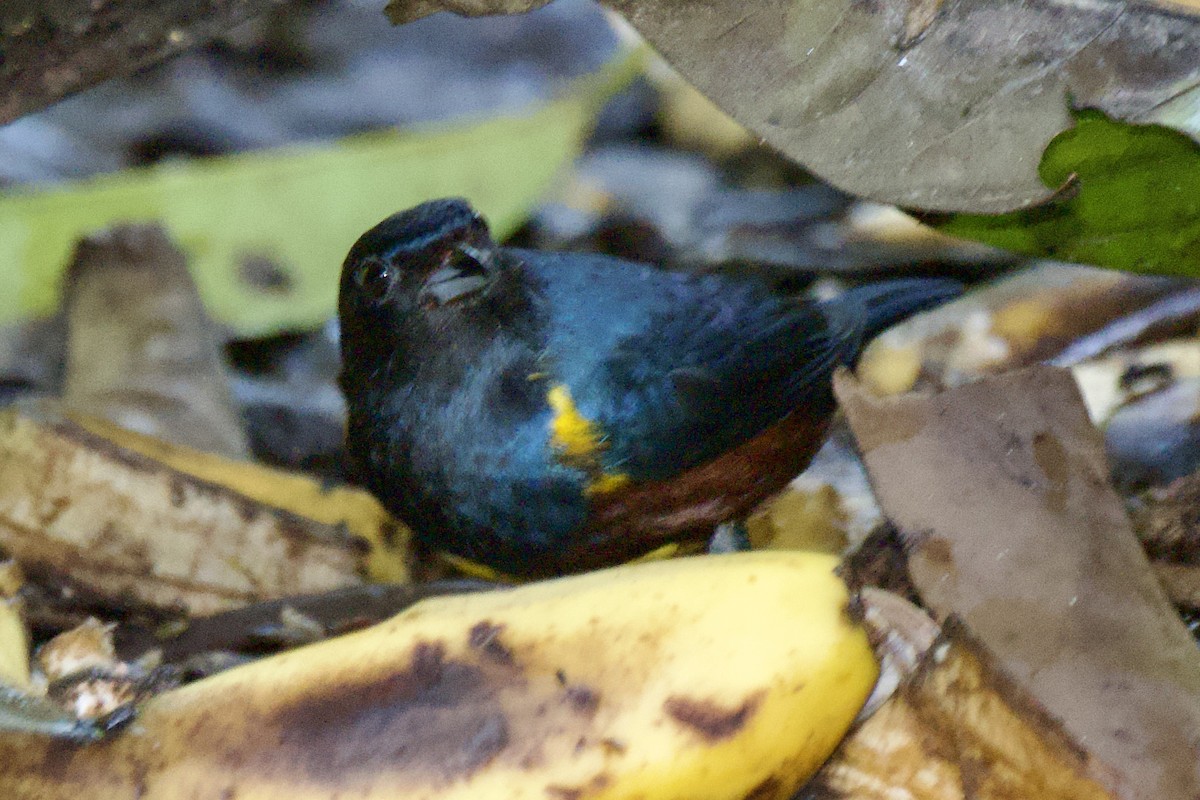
pixel 52 48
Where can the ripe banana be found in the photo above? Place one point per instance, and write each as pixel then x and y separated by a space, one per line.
pixel 709 677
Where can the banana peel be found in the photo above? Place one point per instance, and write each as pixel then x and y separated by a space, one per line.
pixel 345 507
pixel 960 728
pixel 710 677
pixel 14 647
pixel 14 640
pixel 129 526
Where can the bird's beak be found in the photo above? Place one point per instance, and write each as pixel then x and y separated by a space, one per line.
pixel 458 279
pixel 448 284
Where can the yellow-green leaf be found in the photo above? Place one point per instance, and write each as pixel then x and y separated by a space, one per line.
pixel 291 214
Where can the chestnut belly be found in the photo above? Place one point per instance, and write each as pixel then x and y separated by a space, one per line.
pixel 640 516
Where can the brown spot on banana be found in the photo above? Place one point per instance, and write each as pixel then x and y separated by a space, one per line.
pixel 485 637
pixel 437 714
pixel 709 719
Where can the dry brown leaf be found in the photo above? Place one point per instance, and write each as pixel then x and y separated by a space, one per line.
pixel 121 522
pixel 141 351
pixel 959 729
pixel 931 105
pixel 1002 488
pixel 928 104
pixel 1166 521
pixel 1166 524
pixel 1181 582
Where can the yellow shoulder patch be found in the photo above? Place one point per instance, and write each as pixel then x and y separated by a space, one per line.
pixel 606 482
pixel 571 433
pixel 579 442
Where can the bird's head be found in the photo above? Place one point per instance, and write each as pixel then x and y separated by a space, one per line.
pixel 424 280
pixel 436 255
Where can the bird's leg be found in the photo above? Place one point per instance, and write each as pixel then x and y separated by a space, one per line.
pixel 730 537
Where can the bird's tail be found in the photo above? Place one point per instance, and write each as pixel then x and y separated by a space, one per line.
pixel 876 307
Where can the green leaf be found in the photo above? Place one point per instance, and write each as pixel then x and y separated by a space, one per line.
pixel 1131 200
pixel 297 210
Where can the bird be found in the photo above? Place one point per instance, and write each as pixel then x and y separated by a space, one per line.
pixel 542 412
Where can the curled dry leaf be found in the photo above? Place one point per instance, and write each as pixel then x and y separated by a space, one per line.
pixel 86 647
pixel 1001 487
pixel 933 105
pixel 83 672
pixel 554 690
pixel 141 351
pixel 1012 322
pixel 121 522
pixel 901 633
pixel 960 729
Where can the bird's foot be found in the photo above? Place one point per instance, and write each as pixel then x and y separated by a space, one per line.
pixel 730 537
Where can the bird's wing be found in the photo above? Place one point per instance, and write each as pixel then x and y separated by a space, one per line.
pixel 711 374
pixel 673 370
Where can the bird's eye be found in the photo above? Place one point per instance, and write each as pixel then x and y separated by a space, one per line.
pixel 463 273
pixel 374 278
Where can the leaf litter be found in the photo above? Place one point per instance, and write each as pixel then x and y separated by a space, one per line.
pixel 988 693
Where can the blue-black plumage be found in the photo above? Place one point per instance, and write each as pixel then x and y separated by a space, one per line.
pixel 540 412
